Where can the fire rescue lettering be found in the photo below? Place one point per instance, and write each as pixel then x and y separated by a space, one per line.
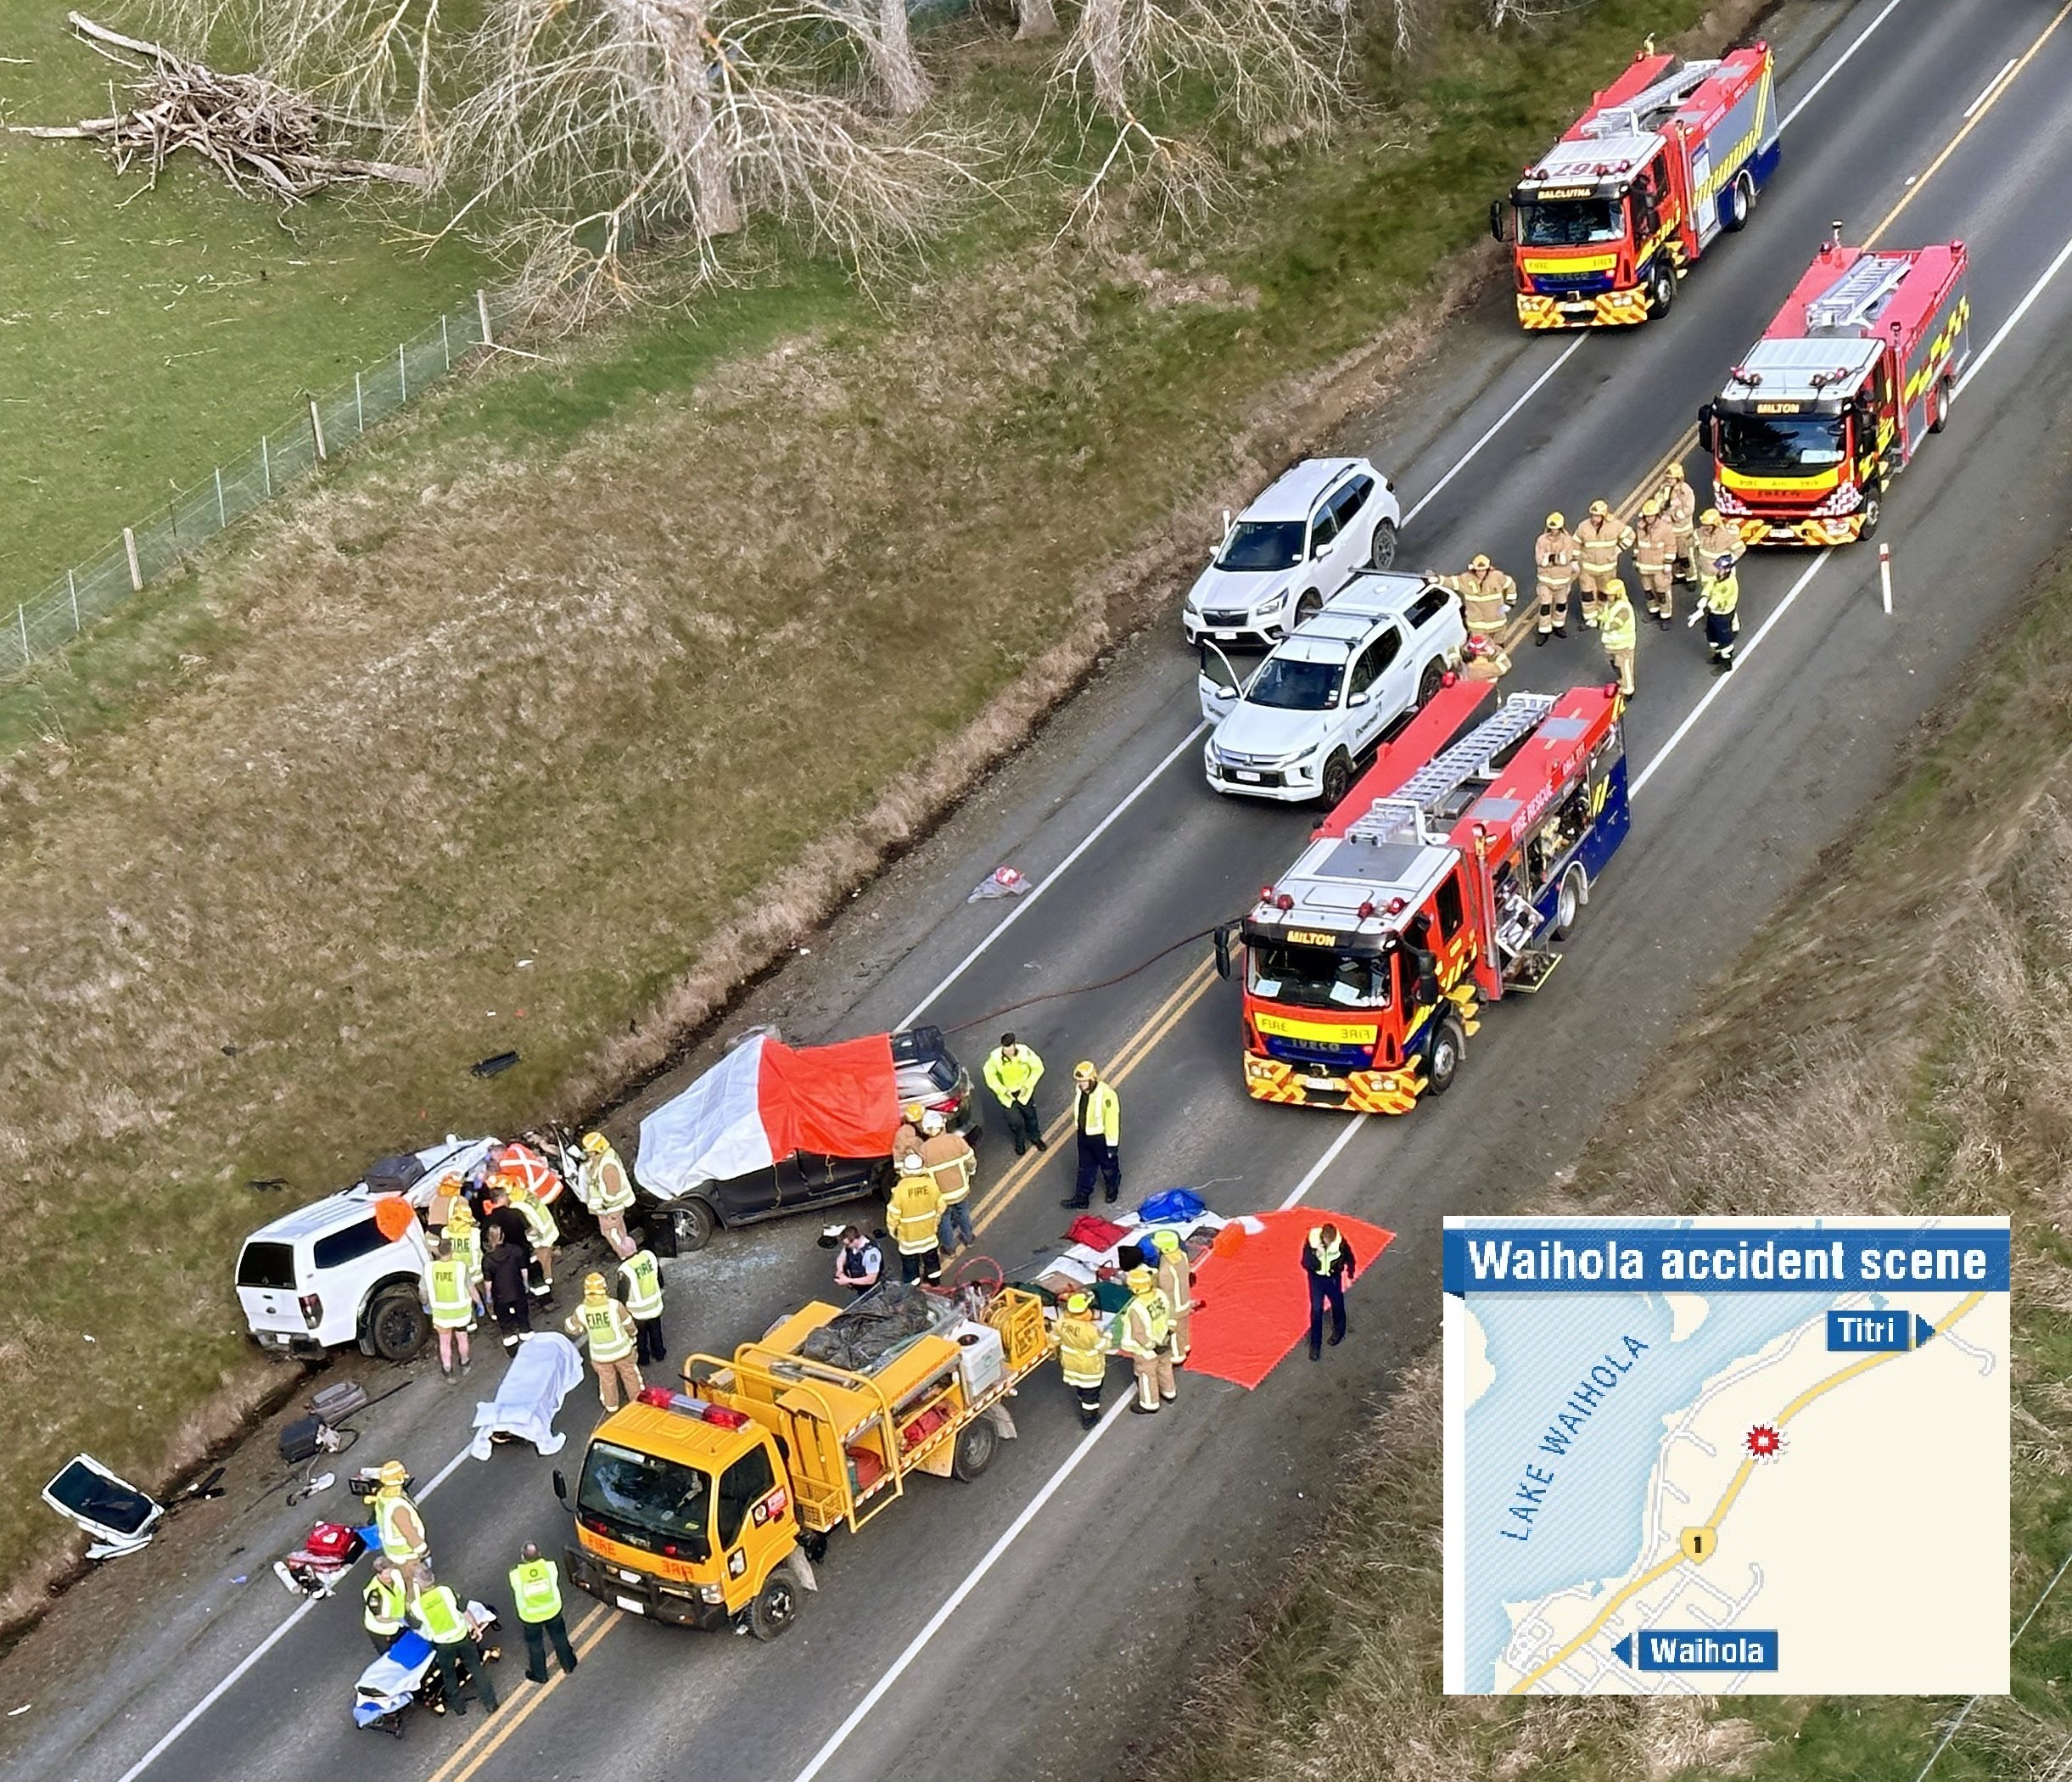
pixel 1529 1496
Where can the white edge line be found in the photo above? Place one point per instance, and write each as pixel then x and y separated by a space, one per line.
pixel 1990 87
pixel 2021 310
pixel 1836 67
pixel 1497 426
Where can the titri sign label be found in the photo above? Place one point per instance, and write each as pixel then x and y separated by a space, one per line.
pixel 1671 1447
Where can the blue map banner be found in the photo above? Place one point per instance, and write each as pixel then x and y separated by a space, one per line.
pixel 1590 1256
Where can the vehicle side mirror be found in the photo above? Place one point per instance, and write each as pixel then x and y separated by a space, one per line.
pixel 1357 699
pixel 1427 976
pixel 1318 549
pixel 1223 950
pixel 1705 420
pixel 1497 209
pixel 560 1487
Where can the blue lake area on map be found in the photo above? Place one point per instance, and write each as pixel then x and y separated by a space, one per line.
pixel 1587 1521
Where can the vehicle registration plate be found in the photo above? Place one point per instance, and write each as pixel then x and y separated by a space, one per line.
pixel 1330 1084
pixel 627 1604
pixel 1245 773
pixel 1226 636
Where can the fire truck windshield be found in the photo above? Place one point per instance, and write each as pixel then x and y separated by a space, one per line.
pixel 645 1498
pixel 1571 223
pixel 1765 444
pixel 1316 977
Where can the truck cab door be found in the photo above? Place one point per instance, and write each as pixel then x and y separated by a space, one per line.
pixel 752 1515
pixel 1706 218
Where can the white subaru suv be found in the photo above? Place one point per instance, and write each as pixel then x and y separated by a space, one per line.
pixel 1307 534
pixel 1298 728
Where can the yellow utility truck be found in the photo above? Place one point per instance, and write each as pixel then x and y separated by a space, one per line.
pixel 708 1506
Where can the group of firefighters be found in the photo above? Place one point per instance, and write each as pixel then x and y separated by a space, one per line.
pixel 1671 542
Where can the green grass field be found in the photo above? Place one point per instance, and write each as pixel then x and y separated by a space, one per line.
pixel 144 342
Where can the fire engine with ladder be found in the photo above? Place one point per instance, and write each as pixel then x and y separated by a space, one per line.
pixel 1439 884
pixel 1666 159
pixel 1830 404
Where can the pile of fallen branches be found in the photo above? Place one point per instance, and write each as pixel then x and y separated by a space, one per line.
pixel 254 133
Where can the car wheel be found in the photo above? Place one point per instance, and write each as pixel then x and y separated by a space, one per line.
pixel 1337 780
pixel 1661 287
pixel 976 1445
pixel 1382 552
pixel 774 1609
pixel 1447 1046
pixel 693 1223
pixel 1307 608
pixel 1873 511
pixel 1568 904
pixel 1938 405
pixel 1740 203
pixel 397 1327
pixel 1430 682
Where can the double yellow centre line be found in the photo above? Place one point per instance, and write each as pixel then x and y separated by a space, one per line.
pixel 513 1711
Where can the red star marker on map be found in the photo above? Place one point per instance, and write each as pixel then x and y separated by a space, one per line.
pixel 1764 1442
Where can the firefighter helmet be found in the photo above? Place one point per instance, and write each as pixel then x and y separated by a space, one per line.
pixel 1710 517
pixel 1477 564
pixel 1555 522
pixel 1600 510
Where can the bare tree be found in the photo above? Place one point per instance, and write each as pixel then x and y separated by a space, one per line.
pixel 1035 19
pixel 902 86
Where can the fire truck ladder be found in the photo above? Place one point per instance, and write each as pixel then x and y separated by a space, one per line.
pixel 1856 297
pixel 1401 815
pixel 1650 103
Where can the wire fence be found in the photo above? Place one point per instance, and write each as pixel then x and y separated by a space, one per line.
pixel 156 544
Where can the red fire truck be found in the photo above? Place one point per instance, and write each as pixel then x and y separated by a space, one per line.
pixel 1663 159
pixel 1828 407
pixel 1436 884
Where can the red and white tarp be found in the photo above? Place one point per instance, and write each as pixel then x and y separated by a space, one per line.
pixel 765 1101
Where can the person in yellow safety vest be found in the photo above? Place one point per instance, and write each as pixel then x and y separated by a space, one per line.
pixel 1680 503
pixel 450 1192
pixel 540 1229
pixel 1097 1117
pixel 398 1525
pixel 915 1215
pixel 383 1603
pixel 464 1236
pixel 639 1277
pixel 1654 559
pixel 1600 541
pixel 607 1327
pixel 602 1183
pixel 1483 659
pixel 1176 1280
pixel 1718 605
pixel 1083 1355
pixel 452 1306
pixel 1327 1266
pixel 1012 1071
pixel 1486 594
pixel 950 1164
pixel 1147 1340
pixel 441 1619
pixel 1621 632
pixel 535 1591
pixel 1553 562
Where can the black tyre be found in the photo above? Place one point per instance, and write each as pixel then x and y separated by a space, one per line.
pixel 774 1609
pixel 1429 682
pixel 397 1326
pixel 976 1445
pixel 693 1223
pixel 1873 511
pixel 1382 553
pixel 1337 780
pixel 1938 405
pixel 1568 904
pixel 1740 203
pixel 1307 608
pixel 1448 1045
pixel 1661 287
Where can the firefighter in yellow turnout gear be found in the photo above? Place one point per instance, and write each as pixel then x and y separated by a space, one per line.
pixel 609 1328
pixel 603 1186
pixel 1554 559
pixel 1600 541
pixel 1176 1280
pixel 399 1528
pixel 1655 559
pixel 1083 1355
pixel 1486 596
pixel 1147 1340
pixel 914 1217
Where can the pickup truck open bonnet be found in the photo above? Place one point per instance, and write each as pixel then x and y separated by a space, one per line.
pixel 763 1102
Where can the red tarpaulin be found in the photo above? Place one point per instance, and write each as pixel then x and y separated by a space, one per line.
pixel 842 1101
pixel 1255 1302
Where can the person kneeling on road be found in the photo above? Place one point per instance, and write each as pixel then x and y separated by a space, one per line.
pixel 609 1328
pixel 535 1592
pixel 1147 1340
pixel 1083 1347
pixel 915 1215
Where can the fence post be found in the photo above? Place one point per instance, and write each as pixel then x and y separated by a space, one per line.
pixel 482 309
pixel 21 619
pixel 317 431
pixel 172 522
pixel 71 587
pixel 266 464
pixel 445 346
pixel 222 519
pixel 402 374
pixel 359 407
pixel 129 547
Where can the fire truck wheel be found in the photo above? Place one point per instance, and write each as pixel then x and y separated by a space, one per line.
pixel 1938 405
pixel 1873 511
pixel 1444 1065
pixel 975 1449
pixel 1740 201
pixel 1382 553
pixel 1337 780
pixel 1661 289
pixel 774 1609
pixel 1568 904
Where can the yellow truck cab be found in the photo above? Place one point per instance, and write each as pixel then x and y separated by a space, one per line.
pixel 708 1505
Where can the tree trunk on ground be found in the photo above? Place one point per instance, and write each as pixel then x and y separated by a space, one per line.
pixel 902 86
pixel 1035 19
pixel 1101 24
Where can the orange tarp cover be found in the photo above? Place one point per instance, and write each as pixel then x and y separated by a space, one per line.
pixel 1255 1301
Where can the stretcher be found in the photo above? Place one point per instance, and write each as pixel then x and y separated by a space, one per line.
pixel 405 1674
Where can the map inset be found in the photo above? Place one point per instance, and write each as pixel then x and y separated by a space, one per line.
pixel 1719 1456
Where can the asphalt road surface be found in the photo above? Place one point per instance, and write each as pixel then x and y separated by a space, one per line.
pixel 1042 1621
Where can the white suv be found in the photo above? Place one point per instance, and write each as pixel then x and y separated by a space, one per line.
pixel 1305 537
pixel 326 1274
pixel 1323 701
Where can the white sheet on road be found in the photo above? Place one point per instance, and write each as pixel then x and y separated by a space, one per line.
pixel 544 1370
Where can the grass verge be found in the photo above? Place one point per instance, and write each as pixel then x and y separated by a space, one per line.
pixel 1919 987
pixel 536 729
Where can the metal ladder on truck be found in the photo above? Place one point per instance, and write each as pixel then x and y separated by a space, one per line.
pixel 1400 817
pixel 1854 299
